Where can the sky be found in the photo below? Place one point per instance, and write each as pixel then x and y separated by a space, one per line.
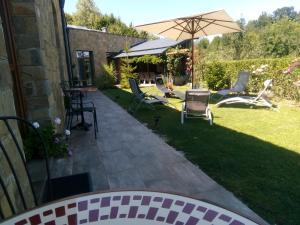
pixel 147 11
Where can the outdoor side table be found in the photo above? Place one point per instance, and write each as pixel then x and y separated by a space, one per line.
pixel 129 208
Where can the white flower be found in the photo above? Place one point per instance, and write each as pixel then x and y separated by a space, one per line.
pixel 56 140
pixel 67 132
pixel 254 72
pixel 266 82
pixel 36 125
pixel 264 66
pixel 259 70
pixel 57 121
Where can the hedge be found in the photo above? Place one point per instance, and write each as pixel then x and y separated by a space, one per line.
pixel 223 74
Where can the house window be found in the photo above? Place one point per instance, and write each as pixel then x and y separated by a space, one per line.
pixel 85 60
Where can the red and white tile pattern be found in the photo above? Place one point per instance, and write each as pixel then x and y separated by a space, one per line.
pixel 129 208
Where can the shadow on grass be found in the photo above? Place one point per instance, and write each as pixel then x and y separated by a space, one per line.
pixel 264 176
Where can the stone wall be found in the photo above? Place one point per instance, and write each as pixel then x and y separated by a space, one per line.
pixel 98 42
pixel 7 107
pixel 41 56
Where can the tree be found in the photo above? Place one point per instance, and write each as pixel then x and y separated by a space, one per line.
pixel 285 12
pixel 281 38
pixel 263 20
pixel 127 70
pixel 87 14
pixel 271 35
pixel 69 18
pixel 203 43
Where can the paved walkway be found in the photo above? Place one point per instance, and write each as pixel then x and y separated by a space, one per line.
pixel 127 155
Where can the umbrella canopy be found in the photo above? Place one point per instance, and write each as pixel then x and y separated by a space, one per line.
pixel 190 27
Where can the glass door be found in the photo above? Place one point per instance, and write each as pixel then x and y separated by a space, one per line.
pixel 85 60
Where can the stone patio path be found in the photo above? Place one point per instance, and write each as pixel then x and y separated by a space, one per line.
pixel 127 155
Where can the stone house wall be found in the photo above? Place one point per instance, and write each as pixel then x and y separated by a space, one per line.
pixel 7 107
pixel 100 43
pixel 41 56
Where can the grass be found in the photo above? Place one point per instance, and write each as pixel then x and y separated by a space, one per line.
pixel 253 152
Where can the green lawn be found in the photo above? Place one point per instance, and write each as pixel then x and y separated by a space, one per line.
pixel 252 152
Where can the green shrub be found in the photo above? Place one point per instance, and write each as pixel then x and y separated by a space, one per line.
pixel 215 76
pixel 219 75
pixel 127 71
pixel 107 79
pixel 56 144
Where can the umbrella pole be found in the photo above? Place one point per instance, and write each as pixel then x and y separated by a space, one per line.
pixel 192 57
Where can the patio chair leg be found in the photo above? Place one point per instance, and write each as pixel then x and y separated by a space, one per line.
pixel 210 117
pixel 132 107
pixel 182 113
pixel 96 121
pixel 67 125
pixel 137 107
pixel 70 120
pixel 95 125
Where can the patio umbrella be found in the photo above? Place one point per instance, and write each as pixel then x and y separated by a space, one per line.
pixel 191 27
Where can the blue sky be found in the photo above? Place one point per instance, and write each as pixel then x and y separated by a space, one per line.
pixel 147 11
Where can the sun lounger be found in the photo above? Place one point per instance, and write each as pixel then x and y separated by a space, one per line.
pixel 238 87
pixel 167 92
pixel 142 97
pixel 259 100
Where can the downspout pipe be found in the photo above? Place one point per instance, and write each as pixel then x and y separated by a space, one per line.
pixel 66 41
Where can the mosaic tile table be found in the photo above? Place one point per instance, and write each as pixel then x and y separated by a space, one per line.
pixel 129 208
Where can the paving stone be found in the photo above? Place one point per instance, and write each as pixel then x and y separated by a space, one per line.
pixel 99 178
pixel 126 179
pixel 117 161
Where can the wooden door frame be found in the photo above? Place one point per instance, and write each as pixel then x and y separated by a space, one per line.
pixel 9 36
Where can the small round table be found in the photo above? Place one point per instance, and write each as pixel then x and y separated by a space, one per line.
pixel 129 208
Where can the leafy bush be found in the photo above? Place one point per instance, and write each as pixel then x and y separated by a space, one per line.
pixel 55 143
pixel 215 76
pixel 219 75
pixel 107 79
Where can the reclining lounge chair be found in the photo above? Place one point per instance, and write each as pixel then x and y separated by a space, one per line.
pixel 259 100
pixel 167 92
pixel 196 105
pixel 141 97
pixel 238 87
